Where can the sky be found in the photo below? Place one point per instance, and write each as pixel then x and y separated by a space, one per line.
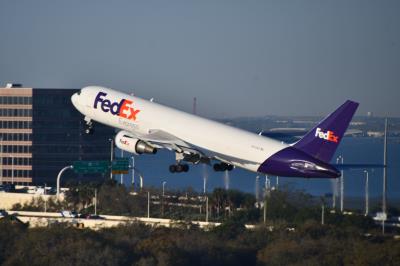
pixel 239 58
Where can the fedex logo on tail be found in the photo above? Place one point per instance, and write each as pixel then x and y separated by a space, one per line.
pixel 123 108
pixel 328 135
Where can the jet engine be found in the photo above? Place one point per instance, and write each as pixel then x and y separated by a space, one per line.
pixel 126 142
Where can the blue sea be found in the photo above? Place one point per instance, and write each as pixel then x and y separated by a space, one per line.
pixel 154 169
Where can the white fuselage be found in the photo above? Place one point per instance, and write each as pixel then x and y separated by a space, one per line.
pixel 242 148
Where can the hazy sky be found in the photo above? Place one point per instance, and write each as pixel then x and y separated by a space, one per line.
pixel 240 58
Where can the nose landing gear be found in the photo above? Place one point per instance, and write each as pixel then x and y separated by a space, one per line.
pixel 89 126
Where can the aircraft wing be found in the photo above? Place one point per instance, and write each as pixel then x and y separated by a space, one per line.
pixel 162 139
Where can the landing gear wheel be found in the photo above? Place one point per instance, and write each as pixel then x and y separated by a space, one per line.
pixel 217 167
pixel 89 131
pixel 221 167
pixel 179 168
pixel 89 125
pixel 172 168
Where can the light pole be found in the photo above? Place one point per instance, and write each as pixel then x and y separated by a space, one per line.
pixel 95 201
pixel 341 183
pixel 366 193
pixel 334 191
pixel 226 179
pixel 111 156
pixel 140 178
pixel 266 196
pixel 59 177
pixel 267 182
pixel 148 204
pixel 122 176
pixel 335 187
pixel 265 209
pixel 342 189
pixel 162 202
pixel 204 185
pixel 205 177
pixel 45 199
pixel 257 188
pixel 207 209
pixel 163 187
pixel 384 207
pixel 133 172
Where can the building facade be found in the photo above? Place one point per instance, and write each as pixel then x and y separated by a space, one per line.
pixel 41 132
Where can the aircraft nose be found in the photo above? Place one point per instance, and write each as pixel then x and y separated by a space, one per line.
pixel 77 102
pixel 74 99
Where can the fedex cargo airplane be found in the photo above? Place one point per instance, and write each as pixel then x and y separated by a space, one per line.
pixel 146 126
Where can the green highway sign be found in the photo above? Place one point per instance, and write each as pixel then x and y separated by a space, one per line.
pixel 90 167
pixel 120 166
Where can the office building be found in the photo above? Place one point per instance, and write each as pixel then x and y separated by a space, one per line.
pixel 41 132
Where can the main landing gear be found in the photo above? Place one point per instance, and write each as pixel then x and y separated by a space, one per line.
pixel 89 126
pixel 222 167
pixel 178 168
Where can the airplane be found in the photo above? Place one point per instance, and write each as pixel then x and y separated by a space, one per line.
pixel 146 126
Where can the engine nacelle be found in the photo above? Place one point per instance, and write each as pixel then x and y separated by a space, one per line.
pixel 126 142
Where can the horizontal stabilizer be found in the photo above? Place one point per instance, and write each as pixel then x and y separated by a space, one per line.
pixel 287 137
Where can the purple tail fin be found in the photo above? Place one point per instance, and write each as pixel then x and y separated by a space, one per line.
pixel 321 142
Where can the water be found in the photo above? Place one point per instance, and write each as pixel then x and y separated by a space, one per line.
pixel 354 150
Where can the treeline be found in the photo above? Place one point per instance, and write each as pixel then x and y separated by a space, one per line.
pixel 291 235
pixel 229 244
pixel 290 206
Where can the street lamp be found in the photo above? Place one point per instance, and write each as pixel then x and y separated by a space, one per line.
pixel 148 204
pixel 45 199
pixel 205 177
pixel 162 200
pixel 163 187
pixel 341 183
pixel 277 182
pixel 133 172
pixel 95 201
pixel 366 193
pixel 140 177
pixel 267 183
pixel 122 176
pixel 257 188
pixel 111 155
